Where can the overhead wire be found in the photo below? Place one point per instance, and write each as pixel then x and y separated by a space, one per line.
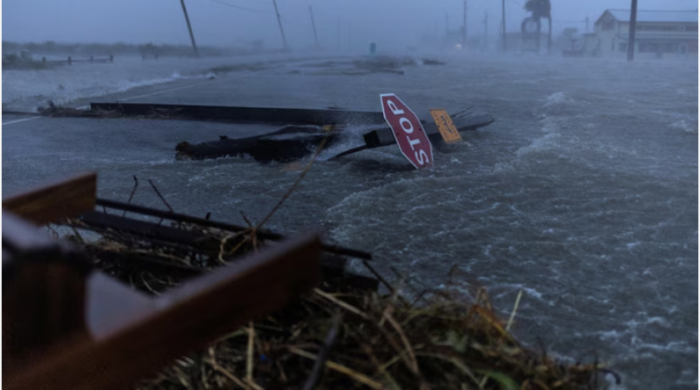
pixel 241 8
pixel 516 3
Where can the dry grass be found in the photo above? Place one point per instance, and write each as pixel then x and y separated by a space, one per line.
pixel 383 341
pixel 380 343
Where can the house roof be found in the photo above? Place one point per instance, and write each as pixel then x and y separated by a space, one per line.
pixel 643 16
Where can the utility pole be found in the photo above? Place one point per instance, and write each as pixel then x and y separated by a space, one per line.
pixel 586 24
pixel 279 21
pixel 503 23
pixel 486 29
pixel 447 24
pixel 189 27
pixel 464 26
pixel 633 31
pixel 313 25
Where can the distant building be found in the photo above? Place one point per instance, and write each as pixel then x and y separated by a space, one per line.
pixel 660 34
pixel 515 42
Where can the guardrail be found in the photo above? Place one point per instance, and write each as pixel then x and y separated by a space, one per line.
pixel 71 60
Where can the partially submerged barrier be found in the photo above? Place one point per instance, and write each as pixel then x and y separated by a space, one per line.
pixel 70 60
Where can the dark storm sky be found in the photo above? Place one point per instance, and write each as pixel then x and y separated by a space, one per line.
pixel 387 22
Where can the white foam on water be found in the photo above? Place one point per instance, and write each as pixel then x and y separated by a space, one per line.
pixel 341 146
pixel 690 128
pixel 528 291
pixel 674 346
pixel 556 98
pixel 659 321
pixel 548 142
pixel 26 89
pixel 610 335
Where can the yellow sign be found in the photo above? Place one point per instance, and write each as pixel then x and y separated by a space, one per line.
pixel 444 124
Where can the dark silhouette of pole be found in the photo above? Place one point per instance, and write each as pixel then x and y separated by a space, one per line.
pixel 633 31
pixel 279 21
pixel 189 27
pixel 586 24
pixel 464 26
pixel 486 30
pixel 313 25
pixel 549 34
pixel 503 23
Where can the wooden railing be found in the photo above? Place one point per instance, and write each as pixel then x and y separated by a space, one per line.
pixel 69 326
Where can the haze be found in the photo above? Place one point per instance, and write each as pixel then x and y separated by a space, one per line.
pixel 389 23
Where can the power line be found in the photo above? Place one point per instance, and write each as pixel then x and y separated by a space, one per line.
pixel 516 3
pixel 239 7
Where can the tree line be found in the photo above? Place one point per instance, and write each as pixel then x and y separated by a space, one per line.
pixel 116 49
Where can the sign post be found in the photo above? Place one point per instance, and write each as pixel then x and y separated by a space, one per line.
pixel 408 131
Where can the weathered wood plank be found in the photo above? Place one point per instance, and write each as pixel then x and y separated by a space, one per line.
pixel 42 292
pixel 55 201
pixel 183 319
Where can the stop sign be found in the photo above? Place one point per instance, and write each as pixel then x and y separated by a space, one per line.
pixel 407 130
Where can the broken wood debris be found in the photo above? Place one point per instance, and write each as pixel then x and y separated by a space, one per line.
pixel 54 201
pixel 381 341
pixel 68 112
pixel 368 65
pixel 292 143
pixel 184 221
pixel 101 323
pixel 65 322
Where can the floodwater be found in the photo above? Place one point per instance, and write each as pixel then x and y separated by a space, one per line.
pixel 583 193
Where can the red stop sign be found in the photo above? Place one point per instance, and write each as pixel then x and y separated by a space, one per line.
pixel 408 131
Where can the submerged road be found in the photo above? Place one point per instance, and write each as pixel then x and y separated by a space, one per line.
pixel 584 192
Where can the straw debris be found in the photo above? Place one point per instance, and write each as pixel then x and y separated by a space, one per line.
pixel 380 343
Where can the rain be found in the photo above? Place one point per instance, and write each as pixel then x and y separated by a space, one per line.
pixel 575 178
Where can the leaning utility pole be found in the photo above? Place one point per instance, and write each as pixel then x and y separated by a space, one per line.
pixel 338 34
pixel 279 21
pixel 633 31
pixel 313 25
pixel 189 27
pixel 503 23
pixel 464 26
pixel 486 29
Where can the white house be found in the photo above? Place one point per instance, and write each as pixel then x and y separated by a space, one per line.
pixel 660 34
